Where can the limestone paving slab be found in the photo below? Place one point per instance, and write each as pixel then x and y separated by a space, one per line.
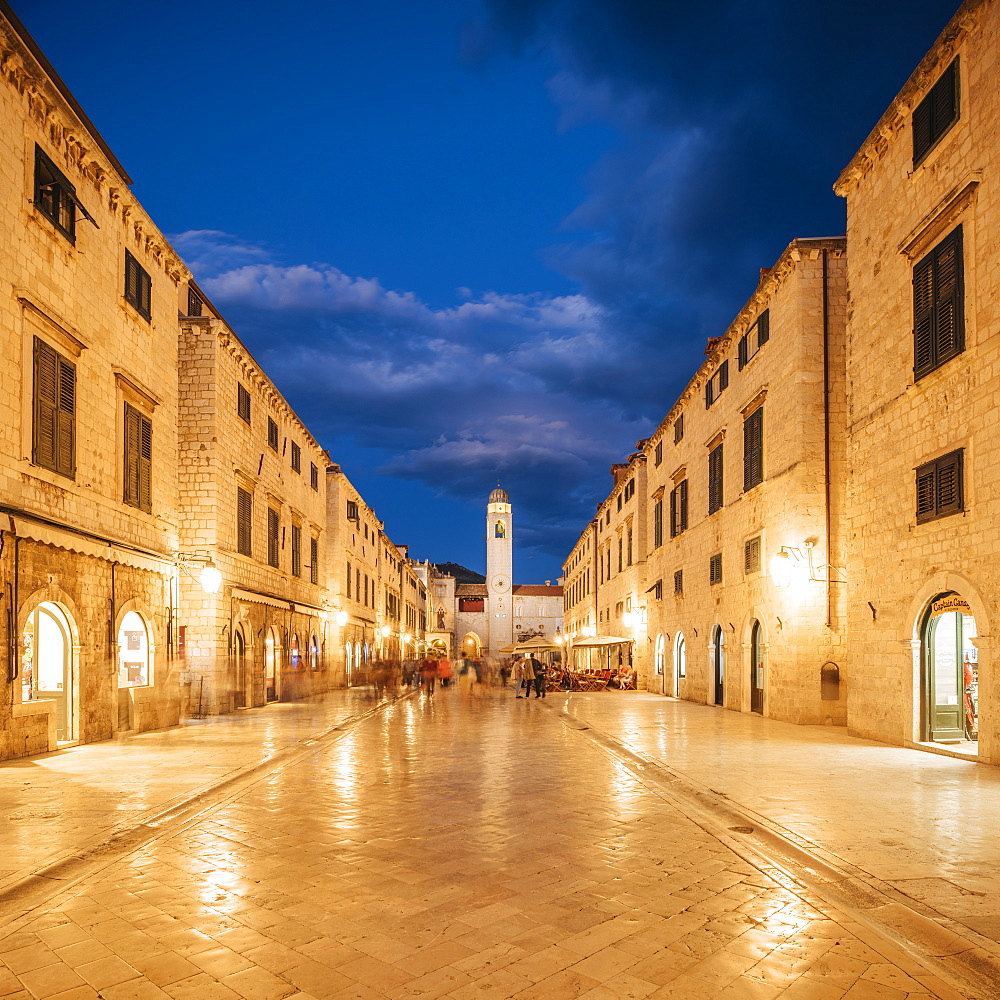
pixel 449 849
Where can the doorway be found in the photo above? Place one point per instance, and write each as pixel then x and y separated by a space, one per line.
pixel 47 668
pixel 950 668
pixel 272 655
pixel 756 670
pixel 719 663
pixel 239 669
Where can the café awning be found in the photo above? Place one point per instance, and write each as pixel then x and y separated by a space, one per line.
pixel 600 640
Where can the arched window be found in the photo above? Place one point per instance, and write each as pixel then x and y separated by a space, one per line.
pixel 680 656
pixel 658 654
pixel 133 652
pixel 314 653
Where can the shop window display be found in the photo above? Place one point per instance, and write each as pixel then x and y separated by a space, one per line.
pixel 951 672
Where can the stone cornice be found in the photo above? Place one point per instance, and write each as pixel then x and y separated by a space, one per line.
pixel 896 116
pixel 83 152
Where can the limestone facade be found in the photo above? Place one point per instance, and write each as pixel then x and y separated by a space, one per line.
pixel 89 516
pixel 252 502
pixel 376 591
pixel 743 470
pixel 924 455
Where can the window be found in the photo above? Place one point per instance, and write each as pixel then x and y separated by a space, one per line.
pixel 138 286
pixel 296 550
pixel 936 113
pixel 657 590
pixel 715 569
pixel 244 522
pixel 628 549
pixel 680 656
pixel 471 604
pixel 629 490
pixel 195 305
pixel 679 508
pixel 751 555
pixel 939 487
pixel 938 313
pixel 753 449
pixel 715 479
pixel 621 564
pixel 54 402
pixel 657 524
pixel 715 385
pixel 679 582
pixel 679 429
pixel 619 501
pixel 752 341
pixel 272 434
pixel 55 197
pixel 273 520
pixel 314 560
pixel 658 453
pixel 352 510
pixel 314 476
pixel 243 402
pixel 349 571
pixel 296 458
pixel 138 459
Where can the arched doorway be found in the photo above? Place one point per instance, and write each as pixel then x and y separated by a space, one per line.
pixel 719 663
pixel 134 667
pixel 658 662
pixel 239 669
pixel 293 651
pixel 471 646
pixel 313 653
pixel 349 661
pixel 47 667
pixel 950 671
pixel 680 662
pixel 272 663
pixel 756 669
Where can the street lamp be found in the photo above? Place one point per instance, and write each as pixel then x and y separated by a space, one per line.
pixel 211 578
pixel 341 618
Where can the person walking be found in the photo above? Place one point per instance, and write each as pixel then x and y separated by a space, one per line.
pixel 517 672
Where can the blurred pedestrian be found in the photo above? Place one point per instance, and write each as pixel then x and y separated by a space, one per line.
pixel 444 671
pixel 528 670
pixel 468 675
pixel 428 674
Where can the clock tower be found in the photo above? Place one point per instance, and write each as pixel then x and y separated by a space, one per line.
pixel 499 571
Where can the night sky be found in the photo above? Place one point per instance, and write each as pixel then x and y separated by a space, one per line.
pixel 482 240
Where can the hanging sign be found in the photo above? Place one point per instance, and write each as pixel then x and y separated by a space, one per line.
pixel 952 602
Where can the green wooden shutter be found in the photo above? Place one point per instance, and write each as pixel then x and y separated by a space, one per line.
pixel 741 364
pixel 923 317
pixel 682 505
pixel 948 295
pixel 46 404
pixel 715 479
pixel 244 522
pixel 764 327
pixel 753 450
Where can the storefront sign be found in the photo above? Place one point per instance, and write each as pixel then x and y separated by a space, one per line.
pixel 951 603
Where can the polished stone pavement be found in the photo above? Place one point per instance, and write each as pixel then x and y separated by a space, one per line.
pixel 442 847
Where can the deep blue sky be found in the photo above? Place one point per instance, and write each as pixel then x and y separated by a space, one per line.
pixel 475 240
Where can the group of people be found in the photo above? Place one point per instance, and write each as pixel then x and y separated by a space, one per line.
pixel 529 674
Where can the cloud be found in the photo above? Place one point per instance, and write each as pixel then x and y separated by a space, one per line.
pixel 528 389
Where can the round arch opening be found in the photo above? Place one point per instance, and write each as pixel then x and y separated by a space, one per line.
pixel 949 673
pixel 47 668
pixel 135 668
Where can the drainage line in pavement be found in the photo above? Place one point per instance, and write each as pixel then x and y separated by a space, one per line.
pixel 795 862
pixel 21 897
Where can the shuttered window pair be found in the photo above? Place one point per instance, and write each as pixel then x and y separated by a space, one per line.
pixel 678 582
pixel 54 399
pixel 936 113
pixel 940 488
pixel 55 196
pixel 938 296
pixel 715 479
pixel 138 286
pixel 752 341
pixel 273 522
pixel 716 384
pixel 751 555
pixel 138 459
pixel 753 450
pixel 244 522
pixel 296 550
pixel 715 569
pixel 679 508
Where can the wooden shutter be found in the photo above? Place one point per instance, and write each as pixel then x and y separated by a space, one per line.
pixel 657 524
pixel 296 550
pixel 751 555
pixel 723 376
pixel 708 392
pixel 273 521
pixel 940 487
pixel 741 364
pixel 715 479
pixel 349 580
pixel 244 522
pixel 753 450
pixel 674 530
pixel 682 506
pixel 938 313
pixel 243 402
pixel 138 459
pixel 936 113
pixel 314 560
pixel 54 402
pixel 764 327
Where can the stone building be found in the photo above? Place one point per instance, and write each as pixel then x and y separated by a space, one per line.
pixel 718 553
pixel 378 597
pixel 923 223
pixel 253 485
pixel 479 616
pixel 88 450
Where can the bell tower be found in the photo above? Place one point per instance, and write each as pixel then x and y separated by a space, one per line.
pixel 499 570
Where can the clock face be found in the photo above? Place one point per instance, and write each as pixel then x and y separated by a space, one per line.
pixel 500 582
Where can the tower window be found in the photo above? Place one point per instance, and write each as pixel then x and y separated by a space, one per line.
pixel 499 530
